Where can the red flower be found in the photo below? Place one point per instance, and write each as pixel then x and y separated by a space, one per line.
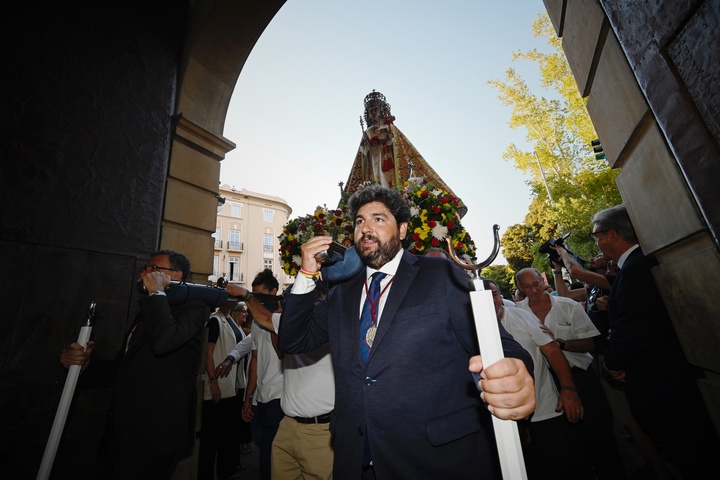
pixel 425 193
pixel 434 242
pixel 444 199
pixel 435 209
pixel 450 225
pixel 302 227
pixel 432 223
pixel 416 237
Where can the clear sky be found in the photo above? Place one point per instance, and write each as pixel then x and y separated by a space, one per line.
pixel 296 108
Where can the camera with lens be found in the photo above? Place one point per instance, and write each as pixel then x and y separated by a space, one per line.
pixel 554 256
pixel 595 293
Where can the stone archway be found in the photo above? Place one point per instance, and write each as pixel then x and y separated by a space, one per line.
pixel 220 38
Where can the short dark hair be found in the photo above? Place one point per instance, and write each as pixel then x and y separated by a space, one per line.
pixel 267 279
pixel 389 197
pixel 178 261
pixel 616 218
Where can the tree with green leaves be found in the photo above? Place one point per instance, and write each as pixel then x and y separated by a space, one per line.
pixel 502 275
pixel 569 184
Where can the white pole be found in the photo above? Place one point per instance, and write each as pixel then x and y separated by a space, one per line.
pixel 65 400
pixel 488 333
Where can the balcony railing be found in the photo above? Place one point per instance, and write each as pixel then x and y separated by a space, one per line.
pixel 218 244
pixel 236 246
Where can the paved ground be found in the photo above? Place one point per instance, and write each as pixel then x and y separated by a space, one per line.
pixel 634 462
pixel 251 463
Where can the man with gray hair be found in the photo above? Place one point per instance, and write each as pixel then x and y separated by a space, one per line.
pixel 567 323
pixel 644 353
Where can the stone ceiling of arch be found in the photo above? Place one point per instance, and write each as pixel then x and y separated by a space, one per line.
pixel 223 33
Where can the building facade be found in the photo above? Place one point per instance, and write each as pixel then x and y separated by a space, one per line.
pixel 246 236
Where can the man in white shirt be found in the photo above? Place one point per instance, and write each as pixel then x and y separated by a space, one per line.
pixel 265 382
pixel 553 450
pixel 302 447
pixel 565 320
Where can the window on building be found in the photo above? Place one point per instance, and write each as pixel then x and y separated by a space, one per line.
pixel 268 214
pixel 236 209
pixel 267 242
pixel 268 263
pixel 216 236
pixel 234 243
pixel 216 265
pixel 234 275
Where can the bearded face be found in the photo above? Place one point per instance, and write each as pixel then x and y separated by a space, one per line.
pixel 381 253
pixel 378 237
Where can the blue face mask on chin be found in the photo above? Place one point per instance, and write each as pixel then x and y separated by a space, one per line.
pixel 342 267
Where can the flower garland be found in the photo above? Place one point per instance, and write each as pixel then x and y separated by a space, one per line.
pixel 433 218
pixel 335 223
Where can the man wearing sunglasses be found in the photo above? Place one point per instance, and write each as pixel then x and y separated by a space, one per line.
pixel 152 422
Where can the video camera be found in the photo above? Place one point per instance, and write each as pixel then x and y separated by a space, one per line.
pixel 553 256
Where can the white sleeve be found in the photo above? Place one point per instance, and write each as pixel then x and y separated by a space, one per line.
pixel 242 348
pixel 581 323
pixel 276 321
pixel 302 285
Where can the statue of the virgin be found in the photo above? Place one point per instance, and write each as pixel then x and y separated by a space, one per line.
pixel 386 156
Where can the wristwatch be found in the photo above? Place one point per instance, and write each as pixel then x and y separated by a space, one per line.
pixel 561 343
pixel 247 296
pixel 157 292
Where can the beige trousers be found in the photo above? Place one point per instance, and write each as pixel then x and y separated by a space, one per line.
pixel 302 451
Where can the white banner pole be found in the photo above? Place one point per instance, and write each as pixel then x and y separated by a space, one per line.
pixel 64 406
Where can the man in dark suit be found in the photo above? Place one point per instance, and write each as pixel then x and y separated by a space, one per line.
pixel 152 422
pixel 645 355
pixel 408 407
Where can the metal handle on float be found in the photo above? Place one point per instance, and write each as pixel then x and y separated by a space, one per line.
pixel 484 263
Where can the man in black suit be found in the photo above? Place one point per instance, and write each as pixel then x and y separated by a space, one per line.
pixel 408 407
pixel 152 422
pixel 644 353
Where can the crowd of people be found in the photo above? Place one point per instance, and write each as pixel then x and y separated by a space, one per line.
pixel 369 375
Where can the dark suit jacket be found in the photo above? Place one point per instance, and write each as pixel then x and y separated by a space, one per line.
pixel 643 342
pixel 415 399
pixel 154 400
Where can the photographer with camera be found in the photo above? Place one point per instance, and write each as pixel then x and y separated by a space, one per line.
pixel 600 273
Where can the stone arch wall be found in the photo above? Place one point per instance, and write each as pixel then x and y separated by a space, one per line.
pixel 220 37
pixel 648 73
pixel 111 125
